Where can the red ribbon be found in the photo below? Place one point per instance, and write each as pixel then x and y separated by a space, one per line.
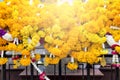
pixel 114 52
pixel 42 75
pixel 33 59
pixel 116 65
pixel 114 45
pixel 108 33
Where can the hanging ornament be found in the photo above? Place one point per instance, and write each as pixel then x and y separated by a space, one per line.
pixel 5 35
pixel 103 61
pixel 114 45
pixel 2 59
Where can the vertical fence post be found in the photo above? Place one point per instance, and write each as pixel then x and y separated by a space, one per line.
pixel 117 73
pixel 111 73
pixel 82 71
pixel 26 72
pixel 88 71
pixel 3 72
pixel 55 72
pixel 93 71
pixel 60 70
pixel 32 72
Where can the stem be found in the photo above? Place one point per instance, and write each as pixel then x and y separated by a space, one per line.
pixel 14 40
pixel 17 42
pixel 25 56
pixel 103 45
pixel 32 54
pixel 50 55
pixel 72 59
pixel 56 46
pixel 13 53
pixel 85 49
pixel 8 3
pixel 50 35
pixel 115 27
pixel 2 53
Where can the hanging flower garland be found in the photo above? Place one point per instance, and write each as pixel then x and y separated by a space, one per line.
pixel 2 59
pixel 66 27
pixel 113 31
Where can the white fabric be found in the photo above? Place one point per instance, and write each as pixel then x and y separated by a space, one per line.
pixel 110 40
pixel 7 37
pixel 115 27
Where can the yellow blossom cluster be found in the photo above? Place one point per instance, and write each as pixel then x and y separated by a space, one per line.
pixel 74 29
pixel 117 49
pixel 16 64
pixel 113 15
pixel 113 12
pixel 72 66
pixel 50 60
pixel 2 42
pixel 3 60
pixel 37 56
pixel 25 61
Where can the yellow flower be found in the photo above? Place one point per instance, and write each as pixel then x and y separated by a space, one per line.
pixel 117 20
pixel 55 51
pixel 25 41
pixel 49 39
pixel 102 32
pixel 58 42
pixel 77 47
pixel 94 27
pixel 25 61
pixel 41 34
pixel 55 60
pixel 82 38
pixel 3 48
pixel 33 42
pixel 80 56
pixel 56 29
pixel 14 61
pixel 14 34
pixel 117 48
pixel 3 61
pixel 51 60
pixel 12 46
pixel 72 28
pixel 72 66
pixel 37 56
pixel 16 64
pixel 74 54
pixel 47 60
pixel 2 41
pixel 25 52
pixel 19 48
pixel 104 52
pixel 103 61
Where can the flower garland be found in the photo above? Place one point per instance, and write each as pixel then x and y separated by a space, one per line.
pixel 25 61
pixel 37 57
pixel 51 60
pixel 67 29
pixel 2 59
pixel 72 66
